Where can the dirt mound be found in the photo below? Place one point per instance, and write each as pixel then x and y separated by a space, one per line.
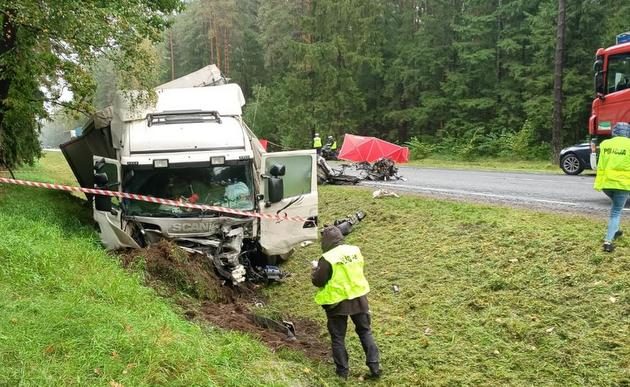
pixel 172 271
pixel 241 317
pixel 178 270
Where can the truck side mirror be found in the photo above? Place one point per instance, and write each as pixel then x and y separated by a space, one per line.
pixel 98 165
pixel 101 202
pixel 275 189
pixel 101 180
pixel 599 83
pixel 277 170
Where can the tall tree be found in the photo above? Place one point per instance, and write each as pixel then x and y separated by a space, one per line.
pixel 52 45
pixel 558 97
pixel 474 76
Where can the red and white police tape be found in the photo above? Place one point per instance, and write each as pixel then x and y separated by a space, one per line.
pixel 151 199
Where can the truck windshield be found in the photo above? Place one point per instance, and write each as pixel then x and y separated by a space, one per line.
pixel 226 186
pixel 618 74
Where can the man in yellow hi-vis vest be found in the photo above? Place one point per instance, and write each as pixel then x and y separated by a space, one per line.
pixel 613 177
pixel 317 143
pixel 343 292
pixel 332 142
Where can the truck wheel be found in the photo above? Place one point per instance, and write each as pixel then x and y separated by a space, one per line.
pixel 571 164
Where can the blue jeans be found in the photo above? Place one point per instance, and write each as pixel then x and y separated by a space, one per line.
pixel 619 199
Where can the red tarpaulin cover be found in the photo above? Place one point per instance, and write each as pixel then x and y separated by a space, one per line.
pixel 264 143
pixel 370 149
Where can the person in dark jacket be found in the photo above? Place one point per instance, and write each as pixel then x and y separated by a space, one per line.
pixel 343 292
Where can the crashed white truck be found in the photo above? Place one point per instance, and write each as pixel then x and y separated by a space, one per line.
pixel 192 145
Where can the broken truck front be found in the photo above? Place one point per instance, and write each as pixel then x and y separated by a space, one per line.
pixel 192 146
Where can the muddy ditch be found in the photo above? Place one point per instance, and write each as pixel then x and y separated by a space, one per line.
pixel 190 280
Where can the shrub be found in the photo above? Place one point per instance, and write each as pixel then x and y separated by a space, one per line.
pixel 476 143
pixel 419 148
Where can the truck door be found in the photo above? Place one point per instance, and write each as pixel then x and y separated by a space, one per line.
pixel 279 237
pixel 79 152
pixel 107 209
pixel 615 107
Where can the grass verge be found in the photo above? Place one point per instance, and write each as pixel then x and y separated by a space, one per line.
pixel 489 164
pixel 72 316
pixel 488 295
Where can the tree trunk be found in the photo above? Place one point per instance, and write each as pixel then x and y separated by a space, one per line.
pixel 498 49
pixel 216 46
pixel 8 41
pixel 226 50
pixel 558 98
pixel 211 41
pixel 170 44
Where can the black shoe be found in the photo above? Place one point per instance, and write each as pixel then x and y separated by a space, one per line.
pixel 373 375
pixel 608 247
pixel 618 234
pixel 341 375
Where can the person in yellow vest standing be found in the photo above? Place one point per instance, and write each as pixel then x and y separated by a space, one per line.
pixel 342 292
pixel 333 145
pixel 317 143
pixel 613 177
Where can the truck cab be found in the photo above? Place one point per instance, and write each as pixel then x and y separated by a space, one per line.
pixel 191 145
pixel 612 89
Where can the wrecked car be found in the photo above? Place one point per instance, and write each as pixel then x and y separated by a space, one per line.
pixel 382 169
pixel 329 175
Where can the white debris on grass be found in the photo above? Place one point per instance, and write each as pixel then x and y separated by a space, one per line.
pixel 383 193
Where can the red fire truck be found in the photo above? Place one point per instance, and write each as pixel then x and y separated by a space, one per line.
pixel 612 88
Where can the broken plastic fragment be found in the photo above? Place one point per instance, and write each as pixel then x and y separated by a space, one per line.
pixel 382 193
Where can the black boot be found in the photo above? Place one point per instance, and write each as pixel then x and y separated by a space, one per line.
pixel 608 247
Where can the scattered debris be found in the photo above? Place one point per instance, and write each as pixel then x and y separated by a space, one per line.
pixel 395 288
pixel 383 193
pixel 345 224
pixel 328 175
pixel 306 243
pixel 381 169
pixel 191 281
pixel 550 329
pixel 428 331
pixel 612 299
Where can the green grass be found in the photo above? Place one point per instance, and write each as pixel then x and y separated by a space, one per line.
pixel 489 164
pixel 52 167
pixel 488 295
pixel 71 316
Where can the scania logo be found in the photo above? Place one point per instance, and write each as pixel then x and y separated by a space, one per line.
pixel 191 227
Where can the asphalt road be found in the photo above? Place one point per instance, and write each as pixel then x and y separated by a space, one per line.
pixel 534 190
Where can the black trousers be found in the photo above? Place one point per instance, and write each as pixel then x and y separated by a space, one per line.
pixel 337 327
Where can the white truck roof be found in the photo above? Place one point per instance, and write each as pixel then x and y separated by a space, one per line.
pixel 228 100
pixel 228 136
